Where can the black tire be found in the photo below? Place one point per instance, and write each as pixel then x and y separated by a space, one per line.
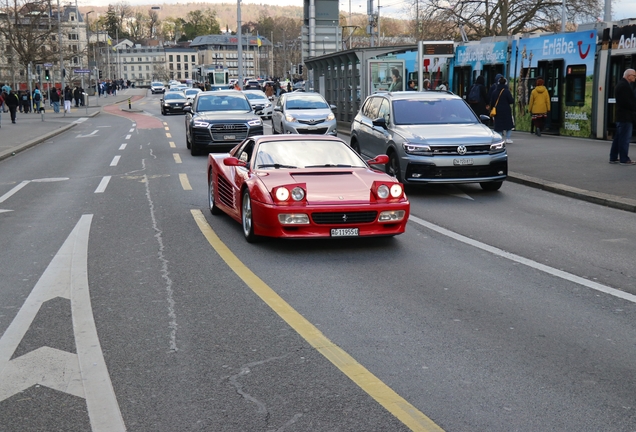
pixel 393 167
pixel 491 186
pixel 163 112
pixel 211 198
pixel 355 146
pixel 246 217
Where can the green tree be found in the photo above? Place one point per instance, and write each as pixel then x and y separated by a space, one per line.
pixel 200 23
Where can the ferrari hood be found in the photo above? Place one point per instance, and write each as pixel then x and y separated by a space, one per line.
pixel 335 186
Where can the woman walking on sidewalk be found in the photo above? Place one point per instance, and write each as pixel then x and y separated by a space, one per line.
pixel 539 106
pixel 68 97
pixel 12 101
pixel 501 100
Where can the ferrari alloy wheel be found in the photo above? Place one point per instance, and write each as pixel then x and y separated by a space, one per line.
pixel 211 199
pixel 246 216
pixel 393 167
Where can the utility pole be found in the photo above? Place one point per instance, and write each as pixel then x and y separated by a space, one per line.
pixel 59 42
pixel 239 33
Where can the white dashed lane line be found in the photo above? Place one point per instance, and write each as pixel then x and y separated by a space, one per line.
pixel 102 185
pixel 115 160
pixel 122 147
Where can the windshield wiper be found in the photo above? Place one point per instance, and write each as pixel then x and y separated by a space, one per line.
pixel 277 166
pixel 329 166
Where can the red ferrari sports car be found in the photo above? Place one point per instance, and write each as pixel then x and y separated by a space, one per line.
pixel 305 186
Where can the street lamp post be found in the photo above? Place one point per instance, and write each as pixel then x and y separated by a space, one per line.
pixel 88 49
pixel 324 38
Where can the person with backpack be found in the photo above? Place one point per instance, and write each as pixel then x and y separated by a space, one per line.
pixel 37 100
pixel 25 102
pixel 12 102
pixel 478 97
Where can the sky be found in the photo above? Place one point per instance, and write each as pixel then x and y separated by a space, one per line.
pixel 621 9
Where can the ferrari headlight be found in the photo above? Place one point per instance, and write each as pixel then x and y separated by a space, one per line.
pixel 297 193
pixel 200 124
pixel 391 216
pixel 290 118
pixel 330 117
pixel 255 122
pixel 293 219
pixel 396 190
pixel 417 149
pixel 282 194
pixel 383 191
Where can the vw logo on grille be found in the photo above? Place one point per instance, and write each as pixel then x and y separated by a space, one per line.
pixel 344 217
pixel 229 126
pixel 461 150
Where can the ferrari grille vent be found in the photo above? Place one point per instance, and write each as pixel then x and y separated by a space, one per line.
pixel 340 218
pixel 225 194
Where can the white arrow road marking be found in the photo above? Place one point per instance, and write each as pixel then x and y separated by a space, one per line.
pixel 83 374
pixel 4 211
pixel 16 188
pixel 84 136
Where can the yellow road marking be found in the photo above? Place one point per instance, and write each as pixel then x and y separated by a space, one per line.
pixel 172 144
pixel 185 183
pixel 176 157
pixel 383 394
pixel 168 135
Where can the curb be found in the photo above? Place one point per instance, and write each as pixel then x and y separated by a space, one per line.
pixel 12 152
pixel 604 199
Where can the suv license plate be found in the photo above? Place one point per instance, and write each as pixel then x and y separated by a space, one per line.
pixel 229 137
pixel 344 232
pixel 463 161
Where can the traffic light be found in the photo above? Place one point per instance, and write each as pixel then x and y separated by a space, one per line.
pixel 200 71
pixel 100 74
pixel 38 69
pixel 47 76
pixel 300 69
pixel 64 73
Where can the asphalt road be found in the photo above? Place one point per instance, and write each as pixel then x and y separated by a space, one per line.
pixel 501 311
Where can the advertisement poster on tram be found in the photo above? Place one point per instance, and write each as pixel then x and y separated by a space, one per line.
pixel 386 75
pixel 565 62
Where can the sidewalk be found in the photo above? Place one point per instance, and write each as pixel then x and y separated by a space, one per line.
pixel 30 130
pixel 575 167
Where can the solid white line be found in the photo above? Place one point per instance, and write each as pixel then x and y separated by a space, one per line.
pixel 4 197
pixel 102 185
pixel 115 160
pixel 530 263
pixel 128 136
pixel 122 147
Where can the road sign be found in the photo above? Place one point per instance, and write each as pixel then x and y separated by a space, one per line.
pixel 81 71
pixel 48 64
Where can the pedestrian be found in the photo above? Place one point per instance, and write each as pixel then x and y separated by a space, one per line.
pixel 269 91
pixel 539 106
pixel 55 100
pixel 68 97
pixel 1 105
pixel 501 101
pixel 494 86
pixel 477 97
pixel 12 102
pixel 625 118
pixel 411 85
pixel 426 85
pixel 26 102
pixel 396 84
pixel 443 86
pixel 37 100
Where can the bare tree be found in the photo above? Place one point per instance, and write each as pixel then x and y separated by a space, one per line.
pixel 482 18
pixel 28 29
pixel 153 23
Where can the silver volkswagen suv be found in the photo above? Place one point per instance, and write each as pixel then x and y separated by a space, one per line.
pixel 430 137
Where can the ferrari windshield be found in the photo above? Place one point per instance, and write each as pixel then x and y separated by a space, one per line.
pixel 432 111
pixel 306 153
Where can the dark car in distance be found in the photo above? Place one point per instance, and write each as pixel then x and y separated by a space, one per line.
pixel 219 120
pixel 173 102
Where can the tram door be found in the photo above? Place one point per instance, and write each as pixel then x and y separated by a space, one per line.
pixel 490 72
pixel 552 73
pixel 618 64
pixel 462 80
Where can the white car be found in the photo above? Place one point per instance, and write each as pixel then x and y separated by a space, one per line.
pixel 257 97
pixel 191 93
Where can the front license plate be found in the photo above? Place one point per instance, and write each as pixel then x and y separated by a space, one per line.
pixel 229 137
pixel 344 232
pixel 463 161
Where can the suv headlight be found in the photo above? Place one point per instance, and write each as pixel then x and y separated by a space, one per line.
pixel 255 122
pixel 417 149
pixel 200 124
pixel 498 144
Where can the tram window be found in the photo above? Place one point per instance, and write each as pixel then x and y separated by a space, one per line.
pixel 575 81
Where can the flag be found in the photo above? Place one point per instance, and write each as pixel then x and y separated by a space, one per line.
pixel 258 40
